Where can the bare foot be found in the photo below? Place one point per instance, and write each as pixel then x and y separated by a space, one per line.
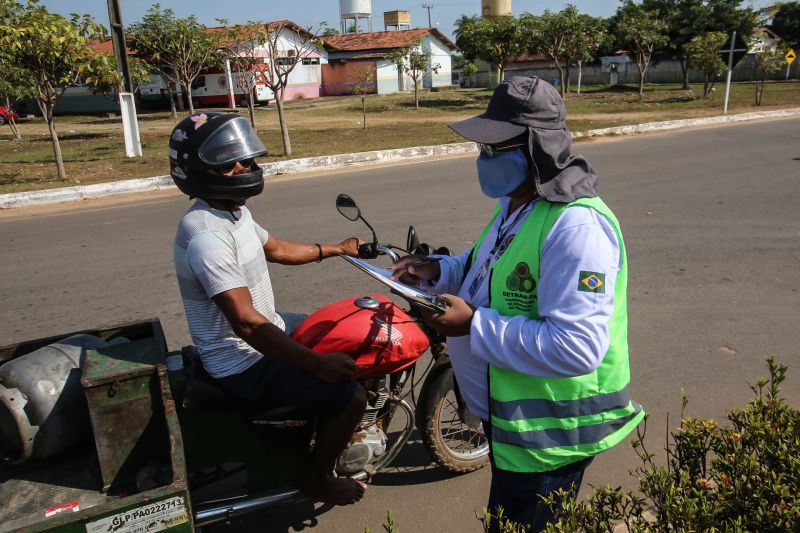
pixel 335 491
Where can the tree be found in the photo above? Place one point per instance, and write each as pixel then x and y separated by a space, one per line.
pixel 685 20
pixel 180 49
pixel 642 33
pixel 768 60
pixel 786 23
pixel 103 83
pixel 550 34
pixel 149 39
pixel 704 51
pixel 496 40
pixel 285 45
pixel 15 82
pixel 462 22
pixel 583 42
pixel 363 84
pixel 242 47
pixel 56 54
pixel 416 63
pixel 469 70
pixel 329 31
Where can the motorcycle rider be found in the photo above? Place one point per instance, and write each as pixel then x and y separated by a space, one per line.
pixel 221 257
pixel 537 333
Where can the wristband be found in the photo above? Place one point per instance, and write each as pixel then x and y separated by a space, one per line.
pixel 320 258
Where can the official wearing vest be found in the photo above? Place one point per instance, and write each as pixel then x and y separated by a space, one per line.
pixel 538 323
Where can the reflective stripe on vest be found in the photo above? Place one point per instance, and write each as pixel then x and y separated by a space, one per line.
pixel 540 424
pixel 541 408
pixel 555 437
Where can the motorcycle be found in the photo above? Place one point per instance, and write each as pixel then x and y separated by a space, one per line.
pixel 170 444
pixel 452 436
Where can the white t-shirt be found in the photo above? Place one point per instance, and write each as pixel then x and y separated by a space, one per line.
pixel 216 251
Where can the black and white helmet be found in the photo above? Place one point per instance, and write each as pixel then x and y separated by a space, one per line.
pixel 204 146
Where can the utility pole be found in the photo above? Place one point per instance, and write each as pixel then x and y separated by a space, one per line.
pixel 118 40
pixel 428 7
pixel 127 102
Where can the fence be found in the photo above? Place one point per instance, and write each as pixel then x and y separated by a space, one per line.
pixel 668 71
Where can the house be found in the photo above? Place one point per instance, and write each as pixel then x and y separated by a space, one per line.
pixel 215 85
pixel 350 54
pixel 764 39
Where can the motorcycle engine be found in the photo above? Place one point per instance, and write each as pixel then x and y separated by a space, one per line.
pixel 368 443
pixel 365 448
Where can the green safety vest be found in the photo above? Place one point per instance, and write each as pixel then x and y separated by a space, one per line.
pixel 538 423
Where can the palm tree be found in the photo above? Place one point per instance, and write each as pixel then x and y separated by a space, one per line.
pixel 462 21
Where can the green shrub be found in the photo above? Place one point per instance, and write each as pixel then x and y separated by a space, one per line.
pixel 740 477
pixel 743 476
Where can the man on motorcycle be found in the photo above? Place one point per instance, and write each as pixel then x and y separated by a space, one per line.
pixel 537 333
pixel 221 258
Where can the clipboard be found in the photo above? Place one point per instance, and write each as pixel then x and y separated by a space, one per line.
pixel 414 295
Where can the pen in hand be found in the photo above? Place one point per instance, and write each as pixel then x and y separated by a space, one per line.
pixel 423 262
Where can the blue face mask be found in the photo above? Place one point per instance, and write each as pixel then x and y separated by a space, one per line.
pixel 503 173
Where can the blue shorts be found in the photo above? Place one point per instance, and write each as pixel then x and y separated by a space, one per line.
pixel 274 383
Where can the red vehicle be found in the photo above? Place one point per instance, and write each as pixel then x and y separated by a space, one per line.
pixel 7 114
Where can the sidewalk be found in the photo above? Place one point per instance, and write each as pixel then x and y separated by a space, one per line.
pixel 355 160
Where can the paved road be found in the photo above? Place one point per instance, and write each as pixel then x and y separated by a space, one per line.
pixel 711 225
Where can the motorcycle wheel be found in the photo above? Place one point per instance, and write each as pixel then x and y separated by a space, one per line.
pixel 454 443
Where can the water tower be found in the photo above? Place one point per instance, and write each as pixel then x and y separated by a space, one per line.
pixel 355 10
pixel 399 20
pixel 495 8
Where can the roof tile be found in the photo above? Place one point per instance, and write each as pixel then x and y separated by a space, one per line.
pixel 381 40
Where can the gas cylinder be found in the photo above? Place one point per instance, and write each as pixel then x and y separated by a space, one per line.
pixel 43 409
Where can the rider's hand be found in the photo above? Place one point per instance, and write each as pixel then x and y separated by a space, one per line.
pixel 350 246
pixel 407 273
pixel 335 367
pixel 455 321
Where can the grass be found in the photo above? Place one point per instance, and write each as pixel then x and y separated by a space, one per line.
pixel 93 147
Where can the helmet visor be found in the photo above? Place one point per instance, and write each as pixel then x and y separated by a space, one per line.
pixel 233 141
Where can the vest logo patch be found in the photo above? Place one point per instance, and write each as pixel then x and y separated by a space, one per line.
pixel 592 282
pixel 521 279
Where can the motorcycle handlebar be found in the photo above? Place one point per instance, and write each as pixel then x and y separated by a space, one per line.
pixel 368 250
pixel 371 250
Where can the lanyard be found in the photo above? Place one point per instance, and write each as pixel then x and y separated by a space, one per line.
pixel 501 244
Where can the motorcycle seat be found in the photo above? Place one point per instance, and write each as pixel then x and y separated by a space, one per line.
pixel 203 391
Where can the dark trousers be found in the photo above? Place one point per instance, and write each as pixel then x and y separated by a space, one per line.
pixel 519 493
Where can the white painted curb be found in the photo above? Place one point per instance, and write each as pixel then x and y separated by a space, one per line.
pixel 683 123
pixel 330 162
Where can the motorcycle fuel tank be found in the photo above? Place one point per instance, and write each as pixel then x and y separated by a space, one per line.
pixel 380 336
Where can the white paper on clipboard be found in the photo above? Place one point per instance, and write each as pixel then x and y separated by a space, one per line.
pixel 409 292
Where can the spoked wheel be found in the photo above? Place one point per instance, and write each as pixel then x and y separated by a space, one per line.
pixel 452 436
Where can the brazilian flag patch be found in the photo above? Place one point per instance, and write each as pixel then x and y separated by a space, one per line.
pixel 592 282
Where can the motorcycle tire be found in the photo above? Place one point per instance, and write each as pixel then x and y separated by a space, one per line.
pixel 438 400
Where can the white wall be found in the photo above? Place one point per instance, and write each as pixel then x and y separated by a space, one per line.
pixel 440 55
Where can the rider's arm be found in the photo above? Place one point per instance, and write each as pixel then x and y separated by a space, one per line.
pixel 299 253
pixel 572 336
pixel 212 257
pixel 257 331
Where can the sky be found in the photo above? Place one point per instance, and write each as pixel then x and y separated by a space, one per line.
pixel 312 12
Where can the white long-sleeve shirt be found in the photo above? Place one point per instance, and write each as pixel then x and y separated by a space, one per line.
pixel 573 334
